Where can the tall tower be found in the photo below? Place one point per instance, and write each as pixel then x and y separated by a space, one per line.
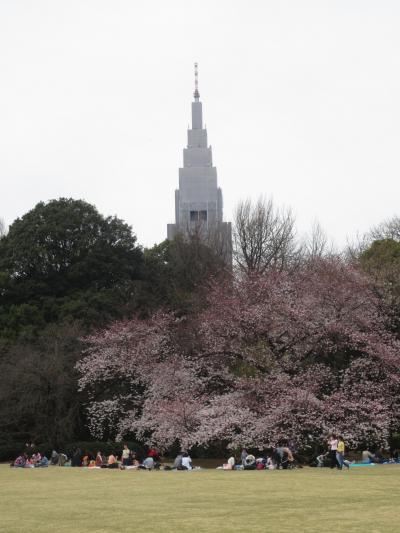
pixel 198 201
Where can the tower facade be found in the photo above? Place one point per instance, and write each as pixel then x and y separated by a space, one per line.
pixel 198 201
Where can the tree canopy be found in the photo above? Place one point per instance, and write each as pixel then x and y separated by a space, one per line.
pixel 278 355
pixel 296 342
pixel 38 388
pixel 64 260
pixel 176 272
pixel 382 262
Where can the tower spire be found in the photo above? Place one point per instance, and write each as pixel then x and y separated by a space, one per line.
pixel 196 93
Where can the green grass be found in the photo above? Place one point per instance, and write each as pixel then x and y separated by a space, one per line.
pixel 365 500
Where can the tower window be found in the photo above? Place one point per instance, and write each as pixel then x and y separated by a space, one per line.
pixel 196 216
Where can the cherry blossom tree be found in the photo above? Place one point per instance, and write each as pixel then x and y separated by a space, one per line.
pixel 277 356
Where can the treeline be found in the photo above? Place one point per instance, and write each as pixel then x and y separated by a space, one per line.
pixel 65 271
pixel 79 296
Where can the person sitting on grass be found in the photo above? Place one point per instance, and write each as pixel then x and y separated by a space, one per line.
pixel 29 463
pixel 112 461
pixel 283 456
pixel 62 459
pixel 321 459
pixel 77 458
pixel 394 455
pixel 177 462
pixel 231 463
pixel 54 458
pixel 291 458
pixel 379 456
pixel 36 458
pixel 367 457
pixel 260 463
pixel 250 462
pixel 19 461
pixel 186 462
pixel 148 463
pixel 43 463
pixel 99 460
pixel 271 464
pixel 133 459
pixel 154 454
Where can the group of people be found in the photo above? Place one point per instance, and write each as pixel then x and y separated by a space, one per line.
pixel 335 453
pixel 126 460
pixel 281 457
pixel 284 456
pixel 34 460
pixel 334 456
pixel 380 457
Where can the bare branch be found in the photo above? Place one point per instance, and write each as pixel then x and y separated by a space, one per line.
pixel 2 227
pixel 388 229
pixel 264 236
pixel 316 244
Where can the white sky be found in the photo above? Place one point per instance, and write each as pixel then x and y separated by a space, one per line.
pixel 301 101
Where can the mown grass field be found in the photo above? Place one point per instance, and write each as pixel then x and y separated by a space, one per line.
pixel 365 500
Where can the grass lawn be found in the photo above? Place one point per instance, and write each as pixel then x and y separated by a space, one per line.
pixel 365 500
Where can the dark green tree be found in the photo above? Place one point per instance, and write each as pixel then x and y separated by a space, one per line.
pixel 382 262
pixel 39 401
pixel 63 260
pixel 177 270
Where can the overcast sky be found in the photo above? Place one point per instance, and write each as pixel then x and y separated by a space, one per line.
pixel 301 100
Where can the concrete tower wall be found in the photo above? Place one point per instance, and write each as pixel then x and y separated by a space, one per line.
pixel 197 116
pixel 197 138
pixel 197 157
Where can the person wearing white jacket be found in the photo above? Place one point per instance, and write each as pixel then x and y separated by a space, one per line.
pixel 187 461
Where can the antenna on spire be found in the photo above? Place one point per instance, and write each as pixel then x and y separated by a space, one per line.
pixel 196 93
